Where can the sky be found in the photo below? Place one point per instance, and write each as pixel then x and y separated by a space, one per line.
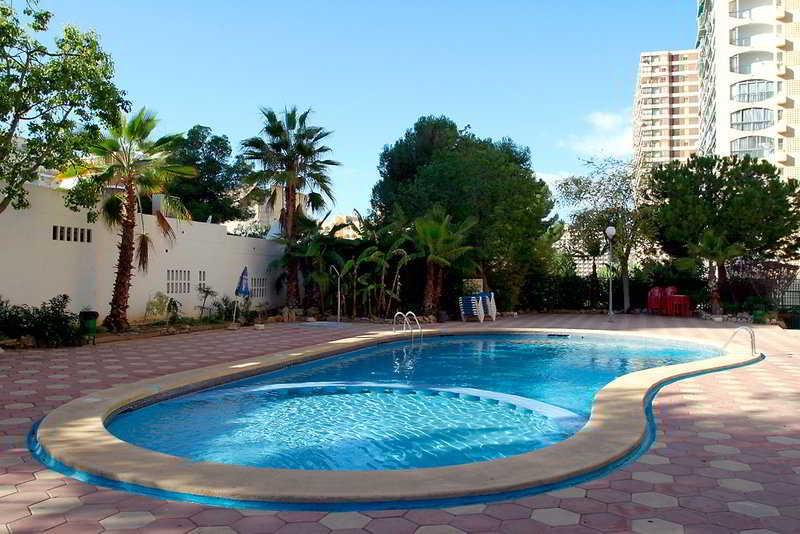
pixel 556 76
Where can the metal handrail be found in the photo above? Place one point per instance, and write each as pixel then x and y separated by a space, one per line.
pixel 407 323
pixel 752 334
pixel 419 328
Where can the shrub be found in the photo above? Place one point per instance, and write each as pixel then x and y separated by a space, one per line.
pixel 50 325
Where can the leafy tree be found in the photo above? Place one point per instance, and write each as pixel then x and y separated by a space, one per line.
pixel 292 160
pixel 609 195
pixel 52 99
pixel 439 242
pixel 213 192
pixel 400 163
pixel 130 165
pixel 435 163
pixel 720 208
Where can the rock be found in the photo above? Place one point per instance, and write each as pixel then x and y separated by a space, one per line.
pixel 311 319
pixel 26 342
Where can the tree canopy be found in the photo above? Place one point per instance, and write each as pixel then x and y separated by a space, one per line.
pixel 53 100
pixel 214 191
pixel 436 164
pixel 742 203
pixel 609 194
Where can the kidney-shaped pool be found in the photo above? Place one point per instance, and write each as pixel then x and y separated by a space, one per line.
pixel 444 401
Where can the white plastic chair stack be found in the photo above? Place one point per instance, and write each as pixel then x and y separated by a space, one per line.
pixel 471 308
pixel 489 306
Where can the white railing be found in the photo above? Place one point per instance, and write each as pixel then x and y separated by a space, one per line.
pixel 407 326
pixel 750 332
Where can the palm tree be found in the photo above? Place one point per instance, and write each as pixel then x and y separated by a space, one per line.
pixel 715 250
pixel 439 242
pixel 125 166
pixel 292 160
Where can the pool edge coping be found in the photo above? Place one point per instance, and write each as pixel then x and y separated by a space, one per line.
pixel 75 435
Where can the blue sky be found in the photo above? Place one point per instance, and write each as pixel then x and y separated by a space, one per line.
pixel 557 76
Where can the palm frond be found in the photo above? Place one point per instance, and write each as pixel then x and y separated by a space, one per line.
pixel 140 125
pixel 112 210
pixel 173 206
pixel 164 227
pixel 143 246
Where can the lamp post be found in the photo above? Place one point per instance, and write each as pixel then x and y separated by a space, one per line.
pixel 610 233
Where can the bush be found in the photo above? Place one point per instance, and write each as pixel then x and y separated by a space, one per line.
pixel 50 325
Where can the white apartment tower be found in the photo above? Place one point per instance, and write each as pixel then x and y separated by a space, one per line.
pixel 750 79
pixel 665 109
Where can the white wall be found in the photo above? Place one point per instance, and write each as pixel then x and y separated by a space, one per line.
pixel 34 267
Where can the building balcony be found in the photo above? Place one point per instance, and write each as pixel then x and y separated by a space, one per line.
pixel 782 157
pixel 784 129
pixel 781 15
pixel 782 43
pixel 784 101
pixel 782 71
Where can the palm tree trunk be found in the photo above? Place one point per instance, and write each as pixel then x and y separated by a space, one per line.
pixel 117 318
pixel 429 297
pixel 292 265
pixel 4 203
pixel 722 281
pixel 355 291
pixel 437 301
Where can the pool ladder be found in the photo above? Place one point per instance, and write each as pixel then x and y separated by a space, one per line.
pixel 752 335
pixel 407 326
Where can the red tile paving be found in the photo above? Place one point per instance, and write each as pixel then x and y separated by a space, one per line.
pixel 726 459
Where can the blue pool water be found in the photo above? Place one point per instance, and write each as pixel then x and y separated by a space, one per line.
pixel 259 422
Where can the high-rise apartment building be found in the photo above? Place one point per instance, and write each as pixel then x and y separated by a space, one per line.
pixel 750 79
pixel 665 110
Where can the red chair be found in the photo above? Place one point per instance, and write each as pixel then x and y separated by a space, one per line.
pixel 666 294
pixel 654 300
pixel 680 306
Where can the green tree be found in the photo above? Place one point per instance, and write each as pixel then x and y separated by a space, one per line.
pixel 126 166
pixel 724 204
pixel 435 163
pixel 400 162
pixel 220 178
pixel 292 160
pixel 609 195
pixel 52 99
pixel 439 242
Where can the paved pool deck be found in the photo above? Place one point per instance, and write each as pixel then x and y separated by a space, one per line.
pixel 727 458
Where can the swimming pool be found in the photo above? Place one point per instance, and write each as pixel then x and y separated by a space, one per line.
pixel 446 401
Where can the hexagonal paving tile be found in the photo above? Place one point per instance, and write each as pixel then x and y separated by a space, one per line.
pixel 58 505
pixel 653 459
pixel 656 526
pixel 753 509
pixel 739 484
pixel 721 449
pixel 654 499
pixel 213 530
pixel 466 509
pixel 568 493
pixel 439 529
pixel 342 520
pixel 127 520
pixel 555 517
pixel 653 477
pixel 729 465
pixel 783 440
